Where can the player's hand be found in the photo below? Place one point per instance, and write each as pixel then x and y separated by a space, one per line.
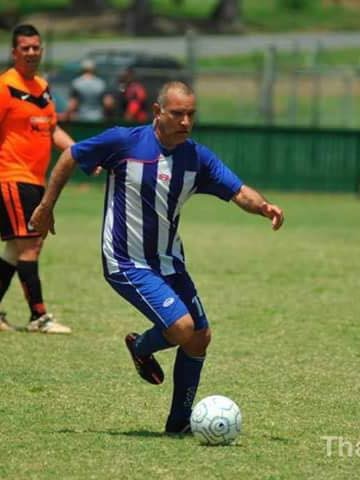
pixel 273 212
pixel 97 171
pixel 42 220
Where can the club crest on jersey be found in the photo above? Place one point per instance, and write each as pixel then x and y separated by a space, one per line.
pixel 164 177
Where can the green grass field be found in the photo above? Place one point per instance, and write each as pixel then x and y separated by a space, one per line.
pixel 285 316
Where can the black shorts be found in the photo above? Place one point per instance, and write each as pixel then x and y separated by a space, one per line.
pixel 17 202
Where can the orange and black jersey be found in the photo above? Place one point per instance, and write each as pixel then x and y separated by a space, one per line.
pixel 27 120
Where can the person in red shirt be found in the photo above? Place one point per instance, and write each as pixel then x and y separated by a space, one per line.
pixel 28 129
pixel 129 101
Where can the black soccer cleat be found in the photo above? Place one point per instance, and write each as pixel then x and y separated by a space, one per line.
pixel 147 367
pixel 178 427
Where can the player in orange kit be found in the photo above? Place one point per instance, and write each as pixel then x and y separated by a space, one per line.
pixel 28 128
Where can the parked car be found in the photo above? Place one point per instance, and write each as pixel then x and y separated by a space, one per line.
pixel 151 70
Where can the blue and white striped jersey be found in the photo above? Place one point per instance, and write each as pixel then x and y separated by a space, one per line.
pixel 146 188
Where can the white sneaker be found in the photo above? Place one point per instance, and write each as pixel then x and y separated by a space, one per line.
pixel 47 324
pixel 5 326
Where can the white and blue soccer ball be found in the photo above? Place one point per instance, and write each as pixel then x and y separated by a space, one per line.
pixel 216 420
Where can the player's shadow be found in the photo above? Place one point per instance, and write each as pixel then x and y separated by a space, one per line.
pixel 114 433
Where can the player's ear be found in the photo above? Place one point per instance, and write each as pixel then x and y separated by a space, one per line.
pixel 156 109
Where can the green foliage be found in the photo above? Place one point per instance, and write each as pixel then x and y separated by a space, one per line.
pixel 285 347
pixel 24 6
pixel 296 5
pixel 258 15
pixel 270 16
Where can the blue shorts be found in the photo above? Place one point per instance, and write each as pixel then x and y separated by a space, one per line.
pixel 163 300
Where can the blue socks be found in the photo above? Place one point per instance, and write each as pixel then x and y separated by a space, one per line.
pixel 151 341
pixel 186 375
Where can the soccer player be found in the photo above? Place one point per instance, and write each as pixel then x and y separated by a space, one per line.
pixel 152 171
pixel 27 130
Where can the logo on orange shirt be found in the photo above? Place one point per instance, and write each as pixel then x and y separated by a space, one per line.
pixel 41 124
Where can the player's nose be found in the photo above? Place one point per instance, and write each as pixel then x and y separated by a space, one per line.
pixel 186 120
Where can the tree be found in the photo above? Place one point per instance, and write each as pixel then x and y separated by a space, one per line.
pixel 226 14
pixel 139 17
pixel 91 6
pixel 294 4
pixel 10 14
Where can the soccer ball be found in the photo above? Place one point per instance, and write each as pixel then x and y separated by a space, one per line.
pixel 215 420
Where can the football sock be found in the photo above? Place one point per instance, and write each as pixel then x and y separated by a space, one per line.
pixel 6 273
pixel 151 341
pixel 186 378
pixel 28 272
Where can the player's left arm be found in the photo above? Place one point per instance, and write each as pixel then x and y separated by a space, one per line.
pixel 42 219
pixel 254 202
pixel 61 139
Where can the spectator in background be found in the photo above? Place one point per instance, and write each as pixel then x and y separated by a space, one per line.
pixel 86 95
pixel 129 101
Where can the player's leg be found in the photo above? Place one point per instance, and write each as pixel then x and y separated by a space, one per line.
pixel 7 271
pixel 159 300
pixel 190 355
pixel 19 200
pixel 28 250
pixel 156 297
pixel 8 258
pixel 40 321
pixel 153 297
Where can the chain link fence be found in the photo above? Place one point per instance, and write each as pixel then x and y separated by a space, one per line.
pixel 309 97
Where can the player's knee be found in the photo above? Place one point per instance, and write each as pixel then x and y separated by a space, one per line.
pixel 10 254
pixel 29 249
pixel 198 343
pixel 181 331
pixel 205 337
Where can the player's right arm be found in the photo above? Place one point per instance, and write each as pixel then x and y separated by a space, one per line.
pixel 105 150
pixel 42 219
pixel 4 100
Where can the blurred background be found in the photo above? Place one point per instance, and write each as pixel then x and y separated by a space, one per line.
pixel 266 68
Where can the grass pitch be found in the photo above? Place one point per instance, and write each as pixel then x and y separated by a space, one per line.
pixel 285 316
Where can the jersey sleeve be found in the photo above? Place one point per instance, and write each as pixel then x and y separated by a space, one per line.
pixel 102 150
pixel 215 178
pixel 4 100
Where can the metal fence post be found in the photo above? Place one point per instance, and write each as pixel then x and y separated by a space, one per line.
pixel 294 80
pixel 267 90
pixel 316 77
pixel 191 54
pixel 347 104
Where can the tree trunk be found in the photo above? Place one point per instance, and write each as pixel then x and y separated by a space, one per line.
pixel 226 14
pixel 140 17
pixel 89 6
